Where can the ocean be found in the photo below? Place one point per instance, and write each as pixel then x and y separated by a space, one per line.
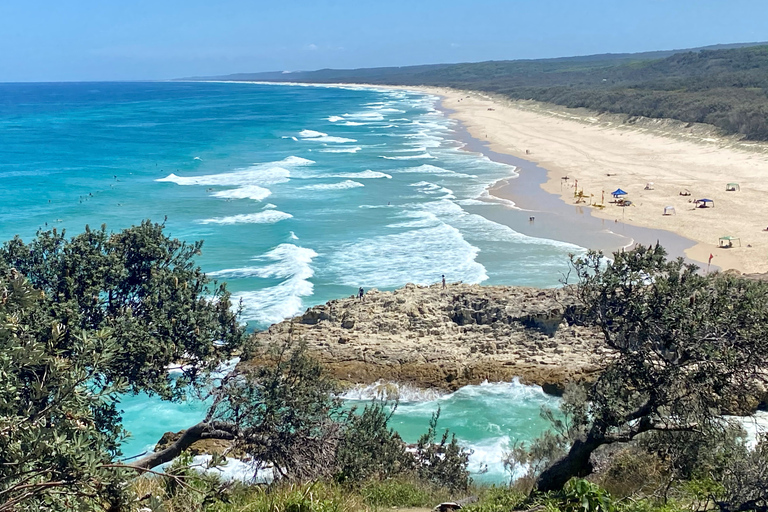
pixel 301 193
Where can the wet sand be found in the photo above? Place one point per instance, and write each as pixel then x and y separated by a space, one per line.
pixel 555 219
pixel 605 151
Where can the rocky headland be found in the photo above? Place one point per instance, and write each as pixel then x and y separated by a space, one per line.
pixel 435 337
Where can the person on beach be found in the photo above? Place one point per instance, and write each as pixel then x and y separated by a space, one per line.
pixel 443 281
pixel 360 293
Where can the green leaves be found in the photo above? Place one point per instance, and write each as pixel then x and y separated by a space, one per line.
pixel 82 320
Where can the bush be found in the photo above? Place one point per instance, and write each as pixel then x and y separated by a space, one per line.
pixel 444 463
pixel 369 448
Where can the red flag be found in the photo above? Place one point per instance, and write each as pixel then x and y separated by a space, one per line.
pixel 710 257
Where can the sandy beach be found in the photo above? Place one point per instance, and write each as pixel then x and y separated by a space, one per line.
pixel 600 153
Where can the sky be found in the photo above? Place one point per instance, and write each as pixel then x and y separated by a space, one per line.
pixel 90 40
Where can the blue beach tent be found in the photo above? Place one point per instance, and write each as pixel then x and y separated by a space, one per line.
pixel 618 192
pixel 704 203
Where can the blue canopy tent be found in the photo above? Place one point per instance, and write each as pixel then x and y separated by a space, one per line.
pixel 705 203
pixel 618 192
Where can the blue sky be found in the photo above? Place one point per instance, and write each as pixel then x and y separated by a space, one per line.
pixel 45 40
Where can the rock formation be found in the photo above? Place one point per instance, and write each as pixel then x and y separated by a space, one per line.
pixel 447 338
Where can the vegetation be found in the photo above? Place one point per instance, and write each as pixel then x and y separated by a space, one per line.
pixel 689 347
pixel 727 88
pixel 86 319
pixel 83 320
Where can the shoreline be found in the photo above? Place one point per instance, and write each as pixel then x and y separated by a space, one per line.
pixel 555 219
pixel 535 189
pixel 575 143
pixel 601 152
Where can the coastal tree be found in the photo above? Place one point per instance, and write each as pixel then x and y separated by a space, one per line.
pixel 687 347
pixel 83 320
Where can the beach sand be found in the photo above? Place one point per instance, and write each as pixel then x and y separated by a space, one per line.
pixel 605 152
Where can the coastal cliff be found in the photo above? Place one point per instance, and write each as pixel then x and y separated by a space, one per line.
pixel 434 337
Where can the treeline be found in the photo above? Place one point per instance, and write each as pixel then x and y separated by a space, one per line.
pixel 727 88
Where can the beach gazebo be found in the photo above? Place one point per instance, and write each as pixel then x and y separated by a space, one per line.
pixel 618 193
pixel 669 210
pixel 727 241
pixel 705 203
pixel 732 187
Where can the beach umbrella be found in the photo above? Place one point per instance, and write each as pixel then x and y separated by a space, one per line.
pixel 618 192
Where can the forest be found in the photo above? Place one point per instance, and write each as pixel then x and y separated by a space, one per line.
pixel 726 87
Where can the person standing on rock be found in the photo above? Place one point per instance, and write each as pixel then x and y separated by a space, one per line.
pixel 360 293
pixel 443 281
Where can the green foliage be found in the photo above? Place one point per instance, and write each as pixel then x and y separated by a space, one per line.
pixel 727 88
pixel 582 495
pixel 444 462
pixel 283 412
pixel 140 285
pixel 634 471
pixel 399 492
pixel 687 348
pixel 369 448
pixel 744 482
pixel 57 428
pixel 498 499
pixel 525 461
pixel 206 494
pixel 83 320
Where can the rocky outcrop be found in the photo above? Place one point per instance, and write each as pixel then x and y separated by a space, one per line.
pixel 447 338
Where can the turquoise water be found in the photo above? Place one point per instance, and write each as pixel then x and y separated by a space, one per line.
pixel 302 194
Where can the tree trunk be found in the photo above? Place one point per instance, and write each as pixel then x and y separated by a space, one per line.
pixel 189 436
pixel 574 463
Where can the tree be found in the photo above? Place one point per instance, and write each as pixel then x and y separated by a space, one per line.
pixel 369 448
pixel 140 285
pixel 83 320
pixel 687 347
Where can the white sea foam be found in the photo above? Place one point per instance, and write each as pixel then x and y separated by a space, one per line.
pixel 262 217
pixel 333 186
pixel 365 116
pixel 288 262
pixel 408 157
pixel 234 470
pixel 487 457
pixel 426 187
pixel 433 169
pixel 254 192
pixel 335 119
pixel 311 134
pixel 367 174
pixel 269 206
pixel 293 236
pixel 418 149
pixel 353 149
pixel 381 390
pixel 354 123
pixel 258 174
pixel 388 261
